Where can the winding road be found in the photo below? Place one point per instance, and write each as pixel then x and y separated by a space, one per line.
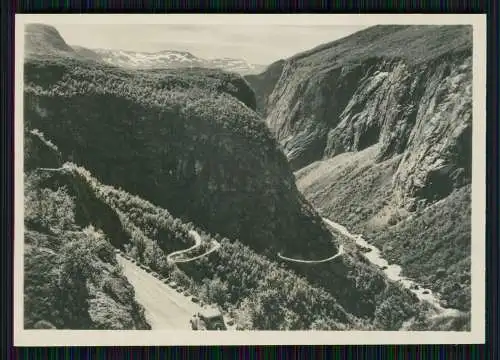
pixel 164 307
pixel 392 271
pixel 197 243
pixel 339 253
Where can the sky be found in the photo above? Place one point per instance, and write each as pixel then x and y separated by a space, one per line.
pixel 258 44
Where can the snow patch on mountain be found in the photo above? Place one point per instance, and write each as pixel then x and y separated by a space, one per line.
pixel 173 59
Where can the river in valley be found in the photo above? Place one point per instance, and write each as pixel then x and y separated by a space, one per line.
pixel 393 271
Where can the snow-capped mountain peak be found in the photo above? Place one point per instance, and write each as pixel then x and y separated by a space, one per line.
pixel 172 59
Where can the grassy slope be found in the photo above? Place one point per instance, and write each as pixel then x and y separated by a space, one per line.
pixel 350 188
pixel 355 192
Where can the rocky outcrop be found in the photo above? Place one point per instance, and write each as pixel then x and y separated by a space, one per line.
pixel 424 114
pixel 406 88
pixel 265 83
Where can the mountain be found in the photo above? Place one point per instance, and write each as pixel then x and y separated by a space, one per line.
pixel 168 59
pixel 378 128
pixel 189 139
pixel 45 39
pixel 314 106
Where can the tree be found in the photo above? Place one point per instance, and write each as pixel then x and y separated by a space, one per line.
pixel 76 268
pixel 49 209
pixel 266 311
pixel 40 288
pixel 215 291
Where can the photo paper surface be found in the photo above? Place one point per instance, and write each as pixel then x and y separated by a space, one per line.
pixel 249 179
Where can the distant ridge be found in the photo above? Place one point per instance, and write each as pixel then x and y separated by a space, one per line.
pixel 45 40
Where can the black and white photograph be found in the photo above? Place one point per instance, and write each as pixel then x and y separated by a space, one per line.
pixel 237 178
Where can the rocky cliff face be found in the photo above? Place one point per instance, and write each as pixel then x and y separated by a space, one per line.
pixel 424 113
pixel 378 127
pixel 265 83
pixel 406 88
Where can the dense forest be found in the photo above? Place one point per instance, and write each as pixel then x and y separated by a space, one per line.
pixel 71 277
pixel 440 259
pixel 188 139
pixel 234 276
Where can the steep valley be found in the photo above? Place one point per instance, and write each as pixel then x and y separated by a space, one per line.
pixel 371 131
pixel 378 129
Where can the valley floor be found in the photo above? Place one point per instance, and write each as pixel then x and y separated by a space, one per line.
pixel 393 272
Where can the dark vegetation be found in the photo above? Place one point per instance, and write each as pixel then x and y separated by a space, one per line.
pixel 235 277
pixel 442 261
pixel 264 295
pixel 241 281
pixel 259 293
pixel 443 323
pixel 188 139
pixel 71 277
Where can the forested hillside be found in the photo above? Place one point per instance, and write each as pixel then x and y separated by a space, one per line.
pixel 248 285
pixel 188 139
pixel 71 277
